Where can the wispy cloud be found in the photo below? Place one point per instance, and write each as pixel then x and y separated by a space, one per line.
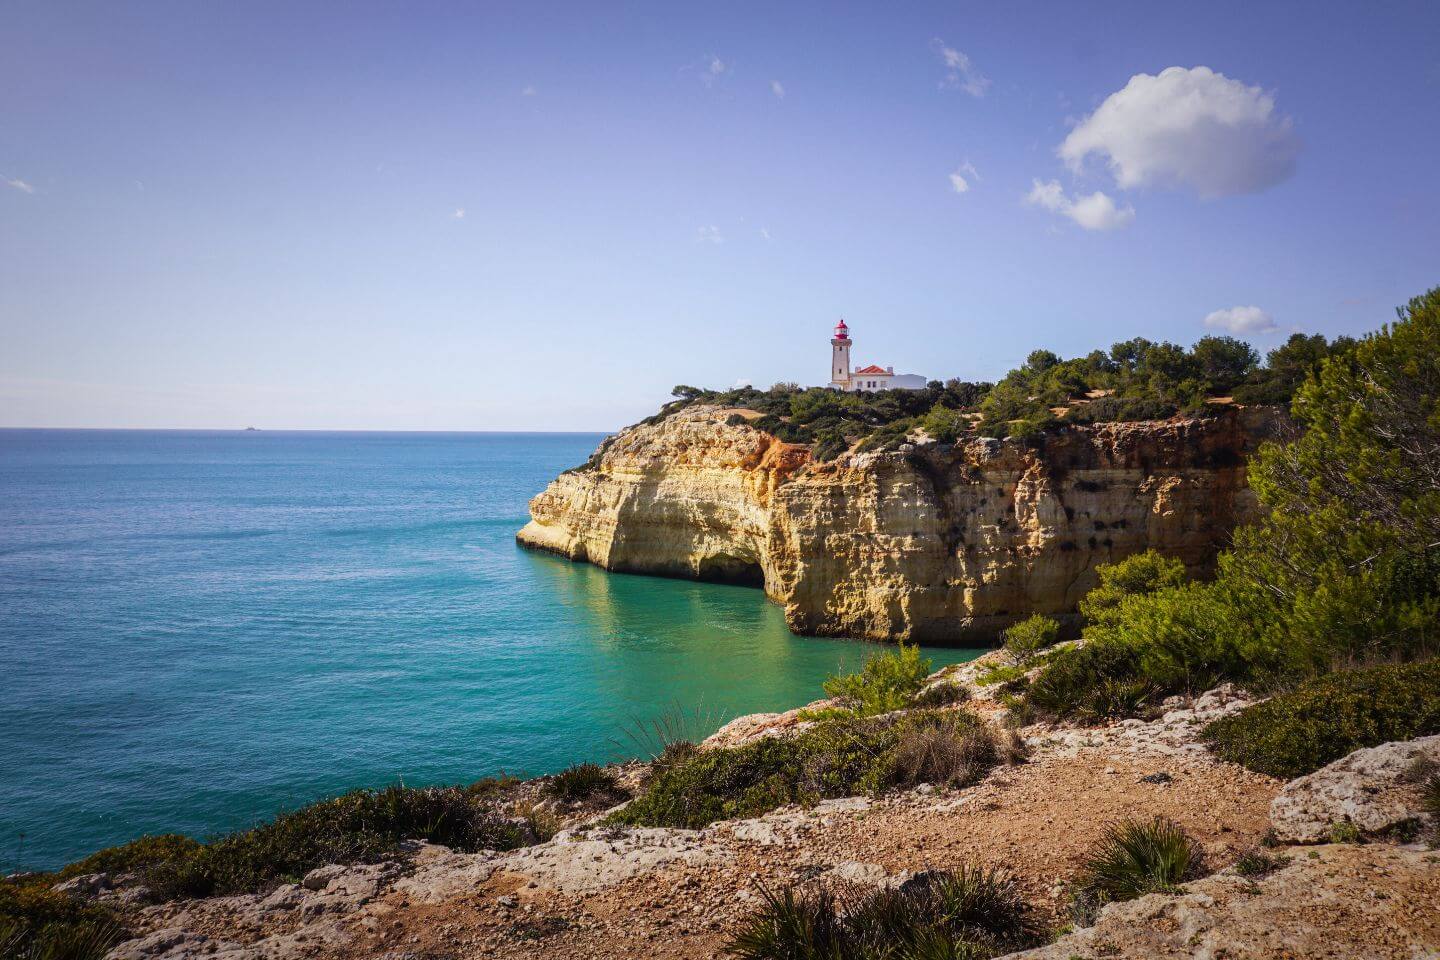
pixel 777 88
pixel 765 235
pixel 528 92
pixel 711 69
pixel 709 234
pixel 964 175
pixel 17 183
pixel 1095 211
pixel 960 72
pixel 459 214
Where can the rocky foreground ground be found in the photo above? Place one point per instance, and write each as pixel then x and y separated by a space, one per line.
pixel 603 891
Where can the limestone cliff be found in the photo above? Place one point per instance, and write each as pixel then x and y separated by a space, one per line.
pixel 942 543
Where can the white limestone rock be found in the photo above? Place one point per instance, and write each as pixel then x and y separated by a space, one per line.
pixel 1371 788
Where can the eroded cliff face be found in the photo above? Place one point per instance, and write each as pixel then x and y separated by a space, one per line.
pixel 946 544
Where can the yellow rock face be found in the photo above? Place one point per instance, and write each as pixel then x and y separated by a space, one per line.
pixel 941 544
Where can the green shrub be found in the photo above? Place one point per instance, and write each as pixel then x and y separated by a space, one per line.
pixel 1025 640
pixel 37 923
pixel 1327 718
pixel 1002 674
pixel 1258 863
pixel 966 913
pixel 1136 575
pixel 886 682
pixel 135 856
pixel 581 782
pixel 836 758
pixel 363 826
pixel 1137 857
pixel 940 695
pixel 1098 681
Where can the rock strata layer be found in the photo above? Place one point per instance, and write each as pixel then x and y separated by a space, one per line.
pixel 934 542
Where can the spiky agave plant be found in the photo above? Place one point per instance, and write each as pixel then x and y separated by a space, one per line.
pixel 790 927
pixel 1136 857
pixel 968 914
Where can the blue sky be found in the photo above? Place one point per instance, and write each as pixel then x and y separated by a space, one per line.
pixel 543 216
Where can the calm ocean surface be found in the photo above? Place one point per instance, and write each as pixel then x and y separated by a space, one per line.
pixel 198 630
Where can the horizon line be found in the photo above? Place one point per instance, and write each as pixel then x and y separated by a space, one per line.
pixel 293 430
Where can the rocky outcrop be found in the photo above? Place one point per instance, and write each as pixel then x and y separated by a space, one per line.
pixel 1369 791
pixel 1337 901
pixel 933 542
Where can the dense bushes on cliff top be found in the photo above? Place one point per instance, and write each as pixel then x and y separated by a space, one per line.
pixel 1329 717
pixel 1343 570
pixel 1134 380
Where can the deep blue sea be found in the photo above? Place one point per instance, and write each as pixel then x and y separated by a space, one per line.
pixel 200 629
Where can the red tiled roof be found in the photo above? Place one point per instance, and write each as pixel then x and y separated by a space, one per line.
pixel 873 370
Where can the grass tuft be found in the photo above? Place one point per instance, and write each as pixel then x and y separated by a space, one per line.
pixel 1258 863
pixel 947 749
pixel 1137 857
pixel 968 913
pixel 37 923
pixel 581 782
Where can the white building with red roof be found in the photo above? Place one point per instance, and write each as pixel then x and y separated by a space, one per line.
pixel 872 377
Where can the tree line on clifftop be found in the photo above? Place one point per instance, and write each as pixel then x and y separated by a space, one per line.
pixel 1135 380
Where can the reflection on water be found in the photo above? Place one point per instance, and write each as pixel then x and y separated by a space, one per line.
pixel 170 668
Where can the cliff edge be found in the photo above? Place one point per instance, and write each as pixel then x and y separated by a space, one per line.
pixel 945 543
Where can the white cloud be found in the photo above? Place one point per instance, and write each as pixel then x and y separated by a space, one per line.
pixel 459 214
pixel 961 179
pixel 18 184
pixel 777 88
pixel 709 234
pixel 529 92
pixel 1241 320
pixel 1194 128
pixel 1095 211
pixel 765 235
pixel 959 70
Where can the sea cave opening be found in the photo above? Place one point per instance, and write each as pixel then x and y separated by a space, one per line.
pixel 725 568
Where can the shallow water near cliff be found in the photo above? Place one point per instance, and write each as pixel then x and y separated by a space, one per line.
pixel 200 629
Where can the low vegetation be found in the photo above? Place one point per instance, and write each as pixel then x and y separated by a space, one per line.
pixel 971 912
pixel 363 826
pixel 1025 640
pixel 582 782
pixel 1342 571
pixel 839 756
pixel 1258 863
pixel 1135 858
pixel 37 923
pixel 1324 719
pixel 888 681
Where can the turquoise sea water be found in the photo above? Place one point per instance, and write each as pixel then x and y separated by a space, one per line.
pixel 200 629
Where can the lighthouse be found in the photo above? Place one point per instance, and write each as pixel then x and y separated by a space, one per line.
pixel 840 357
pixel 868 378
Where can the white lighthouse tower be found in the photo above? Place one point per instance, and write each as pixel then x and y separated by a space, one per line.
pixel 840 357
